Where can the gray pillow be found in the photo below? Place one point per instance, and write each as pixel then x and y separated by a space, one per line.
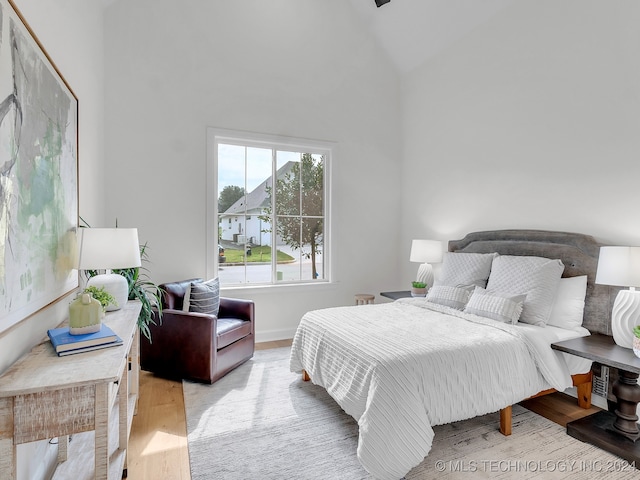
pixel 535 277
pixel 460 268
pixel 454 297
pixel 497 306
pixel 203 297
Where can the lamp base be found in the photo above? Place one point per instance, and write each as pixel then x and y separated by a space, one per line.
pixel 625 316
pixel 425 275
pixel 114 284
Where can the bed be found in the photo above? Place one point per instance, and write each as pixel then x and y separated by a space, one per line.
pixel 401 368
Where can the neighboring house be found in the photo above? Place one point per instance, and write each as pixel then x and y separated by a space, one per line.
pixel 238 228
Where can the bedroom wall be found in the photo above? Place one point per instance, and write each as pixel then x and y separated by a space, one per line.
pixel 298 68
pixel 530 121
pixel 71 32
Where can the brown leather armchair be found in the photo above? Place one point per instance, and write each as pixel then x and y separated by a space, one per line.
pixel 197 346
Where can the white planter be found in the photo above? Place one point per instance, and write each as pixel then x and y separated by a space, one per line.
pixel 418 292
pixel 636 346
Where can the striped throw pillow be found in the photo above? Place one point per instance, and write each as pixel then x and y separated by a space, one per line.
pixel 454 297
pixel 203 297
pixel 497 306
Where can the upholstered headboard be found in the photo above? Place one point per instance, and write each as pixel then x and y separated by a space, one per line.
pixel 578 252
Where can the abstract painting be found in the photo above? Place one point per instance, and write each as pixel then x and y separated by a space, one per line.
pixel 38 174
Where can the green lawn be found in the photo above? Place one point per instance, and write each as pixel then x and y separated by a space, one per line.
pixel 258 254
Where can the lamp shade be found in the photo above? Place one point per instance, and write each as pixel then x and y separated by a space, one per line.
pixel 426 251
pixel 619 266
pixel 108 248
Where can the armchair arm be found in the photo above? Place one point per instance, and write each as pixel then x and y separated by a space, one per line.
pixel 178 322
pixel 181 345
pixel 236 308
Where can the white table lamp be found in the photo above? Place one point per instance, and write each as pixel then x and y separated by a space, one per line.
pixel 426 252
pixel 620 266
pixel 106 249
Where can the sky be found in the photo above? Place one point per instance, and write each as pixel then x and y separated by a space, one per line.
pixel 231 165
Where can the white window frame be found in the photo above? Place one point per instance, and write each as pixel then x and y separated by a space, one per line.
pixel 260 140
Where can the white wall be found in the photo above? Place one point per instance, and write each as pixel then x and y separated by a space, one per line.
pixel 71 32
pixel 530 121
pixel 299 68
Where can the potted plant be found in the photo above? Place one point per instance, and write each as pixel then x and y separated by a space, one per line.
pixel 100 294
pixel 418 289
pixel 144 290
pixel 636 340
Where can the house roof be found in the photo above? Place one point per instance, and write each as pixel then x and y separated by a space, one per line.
pixel 258 198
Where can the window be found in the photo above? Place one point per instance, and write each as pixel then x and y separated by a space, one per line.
pixel 276 190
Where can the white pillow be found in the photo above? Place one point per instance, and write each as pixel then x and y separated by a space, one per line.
pixel 459 268
pixel 454 297
pixel 498 306
pixel 568 307
pixel 535 277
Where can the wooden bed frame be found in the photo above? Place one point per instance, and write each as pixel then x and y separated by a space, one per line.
pixel 579 254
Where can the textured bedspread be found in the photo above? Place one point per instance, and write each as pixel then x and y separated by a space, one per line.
pixel 400 368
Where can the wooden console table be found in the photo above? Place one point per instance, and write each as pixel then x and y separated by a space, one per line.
pixel 45 396
pixel 617 432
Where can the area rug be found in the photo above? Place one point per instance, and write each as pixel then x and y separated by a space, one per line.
pixel 263 422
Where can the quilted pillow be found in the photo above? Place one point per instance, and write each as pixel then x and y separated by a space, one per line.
pixel 454 297
pixel 535 277
pixel 568 306
pixel 203 297
pixel 498 306
pixel 460 268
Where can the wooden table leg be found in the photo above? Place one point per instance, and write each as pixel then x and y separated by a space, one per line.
pixel 123 400
pixel 615 432
pixel 7 447
pixel 627 391
pixel 63 448
pixel 102 431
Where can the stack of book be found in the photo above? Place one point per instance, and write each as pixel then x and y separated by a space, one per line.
pixel 66 344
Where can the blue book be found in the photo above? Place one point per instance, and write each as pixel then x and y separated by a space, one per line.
pixel 89 349
pixel 62 340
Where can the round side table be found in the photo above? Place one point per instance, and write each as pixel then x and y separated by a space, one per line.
pixel 364 298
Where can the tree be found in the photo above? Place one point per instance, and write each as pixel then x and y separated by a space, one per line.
pixel 228 196
pixel 299 207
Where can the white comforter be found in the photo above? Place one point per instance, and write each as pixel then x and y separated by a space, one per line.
pixel 400 368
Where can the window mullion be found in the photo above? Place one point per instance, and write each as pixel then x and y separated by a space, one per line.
pixel 244 210
pixel 274 229
pixel 300 190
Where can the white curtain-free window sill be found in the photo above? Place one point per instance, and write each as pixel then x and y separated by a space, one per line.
pixel 284 287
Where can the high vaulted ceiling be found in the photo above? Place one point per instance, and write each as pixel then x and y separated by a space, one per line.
pixel 412 31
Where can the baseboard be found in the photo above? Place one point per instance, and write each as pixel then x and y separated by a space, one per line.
pixel 273 335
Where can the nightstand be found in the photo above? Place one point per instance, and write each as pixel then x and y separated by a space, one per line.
pixel 396 295
pixel 617 432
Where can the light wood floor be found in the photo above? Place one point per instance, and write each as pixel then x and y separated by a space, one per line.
pixel 158 442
